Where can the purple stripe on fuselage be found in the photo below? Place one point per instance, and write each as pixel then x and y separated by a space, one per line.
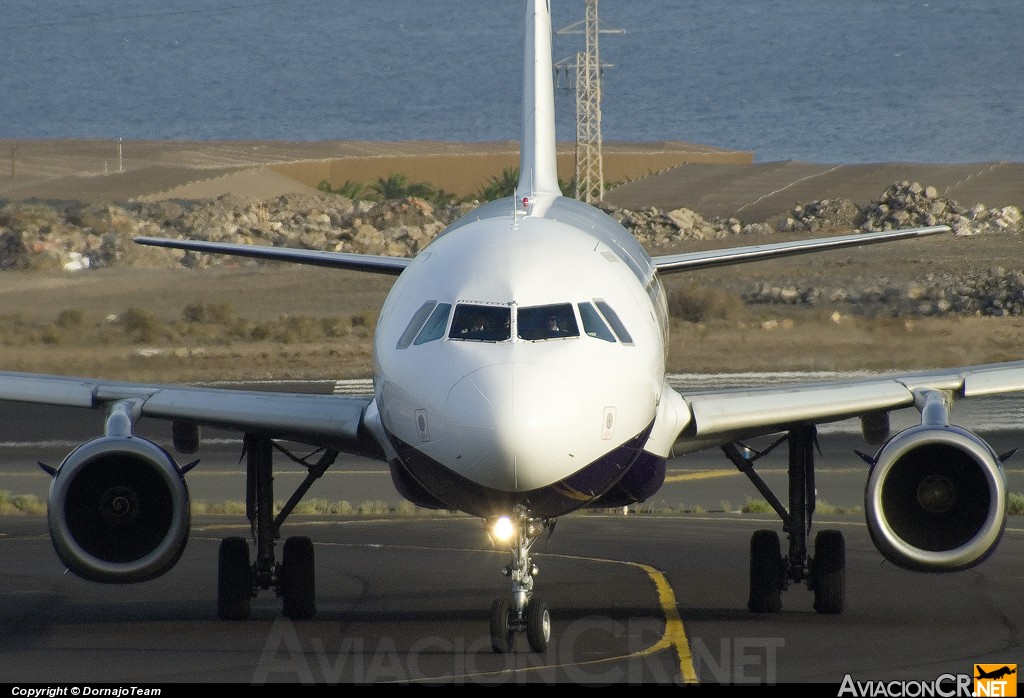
pixel 428 483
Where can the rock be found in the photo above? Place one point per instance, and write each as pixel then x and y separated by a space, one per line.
pixel 908 204
pixel 80 237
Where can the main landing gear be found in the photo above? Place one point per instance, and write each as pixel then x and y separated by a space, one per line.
pixel 522 611
pixel 294 577
pixel 771 572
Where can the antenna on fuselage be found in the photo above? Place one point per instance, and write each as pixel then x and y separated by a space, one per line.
pixel 538 170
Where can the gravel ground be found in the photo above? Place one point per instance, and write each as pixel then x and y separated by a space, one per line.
pixel 760 338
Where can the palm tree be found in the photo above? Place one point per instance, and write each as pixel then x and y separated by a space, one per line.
pixel 397 186
pixel 500 187
pixel 350 189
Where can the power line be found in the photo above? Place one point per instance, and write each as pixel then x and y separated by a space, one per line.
pixel 588 71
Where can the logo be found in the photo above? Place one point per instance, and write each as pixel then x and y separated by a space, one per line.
pixel 995 679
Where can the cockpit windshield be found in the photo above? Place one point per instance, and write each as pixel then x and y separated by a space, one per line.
pixel 481 323
pixel 593 325
pixel 434 327
pixel 546 322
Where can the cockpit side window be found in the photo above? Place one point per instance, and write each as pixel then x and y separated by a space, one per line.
pixel 415 324
pixel 593 325
pixel 546 322
pixel 434 327
pixel 617 327
pixel 481 323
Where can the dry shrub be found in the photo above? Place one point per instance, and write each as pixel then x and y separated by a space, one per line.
pixel 214 313
pixel 141 325
pixel 697 303
pixel 51 334
pixel 70 318
pixel 366 318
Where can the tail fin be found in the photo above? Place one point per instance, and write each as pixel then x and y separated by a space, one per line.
pixel 538 173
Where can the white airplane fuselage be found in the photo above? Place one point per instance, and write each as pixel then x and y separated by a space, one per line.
pixel 482 422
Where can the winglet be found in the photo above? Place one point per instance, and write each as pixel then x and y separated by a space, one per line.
pixel 538 172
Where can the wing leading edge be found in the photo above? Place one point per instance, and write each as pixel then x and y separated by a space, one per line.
pixel 379 264
pixel 690 261
pixel 334 421
pixel 716 417
pixel 665 264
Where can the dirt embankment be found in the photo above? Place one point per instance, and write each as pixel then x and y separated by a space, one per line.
pixel 50 314
pixel 100 171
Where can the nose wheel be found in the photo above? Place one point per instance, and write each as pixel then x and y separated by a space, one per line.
pixel 505 624
pixel 522 611
pixel 538 625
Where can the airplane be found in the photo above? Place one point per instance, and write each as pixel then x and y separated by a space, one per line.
pixel 996 673
pixel 479 406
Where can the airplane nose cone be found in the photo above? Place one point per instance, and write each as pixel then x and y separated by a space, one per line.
pixel 517 426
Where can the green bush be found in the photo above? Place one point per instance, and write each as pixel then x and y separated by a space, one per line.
pixel 757 506
pixel 375 507
pixel 1015 504
pixel 21 504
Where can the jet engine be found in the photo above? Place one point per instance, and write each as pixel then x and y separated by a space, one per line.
pixel 936 499
pixel 119 510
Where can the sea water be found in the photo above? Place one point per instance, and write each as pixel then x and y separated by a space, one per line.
pixel 822 81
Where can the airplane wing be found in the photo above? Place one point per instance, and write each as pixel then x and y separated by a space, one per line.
pixel 716 417
pixel 331 421
pixel 665 264
pixel 690 261
pixel 380 264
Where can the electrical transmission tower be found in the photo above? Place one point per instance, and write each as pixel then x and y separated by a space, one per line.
pixel 588 67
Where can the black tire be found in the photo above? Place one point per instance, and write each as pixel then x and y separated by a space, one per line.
pixel 298 578
pixel 501 626
pixel 538 625
pixel 234 580
pixel 828 572
pixel 765 573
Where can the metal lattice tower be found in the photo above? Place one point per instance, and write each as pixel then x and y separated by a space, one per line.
pixel 589 166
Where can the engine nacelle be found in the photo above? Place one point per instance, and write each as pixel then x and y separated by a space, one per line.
pixel 119 510
pixel 936 499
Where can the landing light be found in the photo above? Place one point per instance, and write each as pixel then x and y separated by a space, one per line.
pixel 503 529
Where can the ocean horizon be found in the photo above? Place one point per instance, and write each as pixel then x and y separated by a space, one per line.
pixel 831 82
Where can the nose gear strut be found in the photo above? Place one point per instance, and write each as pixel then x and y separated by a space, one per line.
pixel 522 610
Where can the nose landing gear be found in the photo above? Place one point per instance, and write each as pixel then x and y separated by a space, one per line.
pixel 522 611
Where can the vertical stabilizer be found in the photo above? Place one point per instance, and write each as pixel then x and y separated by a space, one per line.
pixel 538 174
